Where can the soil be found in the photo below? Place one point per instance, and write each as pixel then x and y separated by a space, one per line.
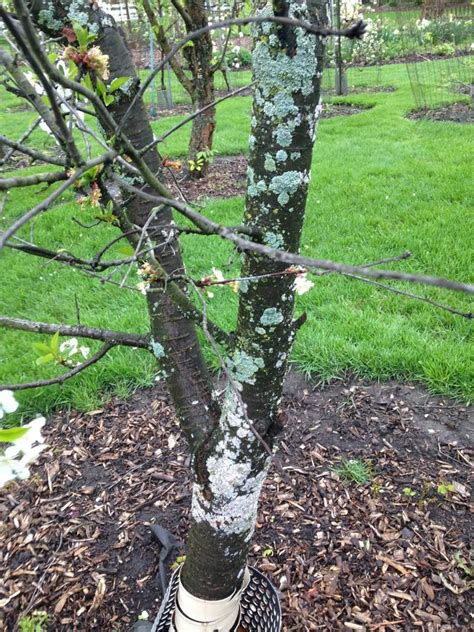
pixel 455 113
pixel 390 553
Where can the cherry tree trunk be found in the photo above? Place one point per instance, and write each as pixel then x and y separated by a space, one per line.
pixel 231 467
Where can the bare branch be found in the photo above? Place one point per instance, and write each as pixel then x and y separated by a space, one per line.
pixel 183 13
pixel 23 137
pixel 27 181
pixel 60 379
pixel 217 66
pixel 205 224
pixel 29 91
pixel 33 153
pixel 193 115
pixel 122 338
pixel 34 52
pixel 46 203
pixel 165 47
pixel 424 299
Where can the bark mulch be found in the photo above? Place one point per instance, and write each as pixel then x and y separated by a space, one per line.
pixel 455 113
pixel 345 556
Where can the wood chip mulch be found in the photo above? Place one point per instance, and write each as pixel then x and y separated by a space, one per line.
pixel 391 554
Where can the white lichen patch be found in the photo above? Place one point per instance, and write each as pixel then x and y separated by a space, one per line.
pixel 271 316
pixel 234 486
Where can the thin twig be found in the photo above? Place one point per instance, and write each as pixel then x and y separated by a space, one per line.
pixel 60 379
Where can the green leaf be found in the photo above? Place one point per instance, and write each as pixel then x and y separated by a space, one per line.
pixel 268 552
pixel 82 35
pixel 41 348
pixel 126 251
pixel 54 343
pixel 45 359
pixel 190 44
pixel 7 435
pixel 108 99
pixel 87 81
pixel 101 89
pixel 117 83
pixel 53 57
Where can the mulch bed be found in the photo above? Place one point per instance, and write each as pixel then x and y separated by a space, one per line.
pixel 76 541
pixel 227 174
pixel 455 113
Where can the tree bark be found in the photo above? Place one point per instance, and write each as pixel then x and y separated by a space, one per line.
pixel 229 445
pixel 287 68
pixel 199 57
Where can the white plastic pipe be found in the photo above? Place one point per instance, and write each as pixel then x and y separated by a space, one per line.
pixel 199 615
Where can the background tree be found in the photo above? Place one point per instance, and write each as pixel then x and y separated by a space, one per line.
pixel 231 437
pixel 197 57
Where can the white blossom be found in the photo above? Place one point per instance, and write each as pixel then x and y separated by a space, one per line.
pixel 302 284
pixel 15 460
pixel 218 276
pixel 69 347
pixel 8 403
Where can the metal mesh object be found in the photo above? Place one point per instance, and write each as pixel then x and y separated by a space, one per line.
pixel 259 605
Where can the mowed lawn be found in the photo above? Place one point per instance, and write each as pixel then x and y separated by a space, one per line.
pixel 381 185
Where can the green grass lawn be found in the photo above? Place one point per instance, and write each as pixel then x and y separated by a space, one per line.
pixel 381 184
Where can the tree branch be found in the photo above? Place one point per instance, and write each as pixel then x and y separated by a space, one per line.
pixel 205 224
pixel 122 338
pixel 46 203
pixel 27 181
pixel 165 47
pixel 183 13
pixel 60 379
pixel 36 155
pixel 193 115
pixel 424 299
pixel 354 32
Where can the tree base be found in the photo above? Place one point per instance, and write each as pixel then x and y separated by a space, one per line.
pixel 260 609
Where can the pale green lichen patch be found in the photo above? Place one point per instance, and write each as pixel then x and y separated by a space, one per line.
pixel 274 240
pixel 244 367
pixel 280 76
pixel 157 348
pixel 271 316
pixel 286 185
pixel 47 18
pixel 269 163
pixel 281 155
